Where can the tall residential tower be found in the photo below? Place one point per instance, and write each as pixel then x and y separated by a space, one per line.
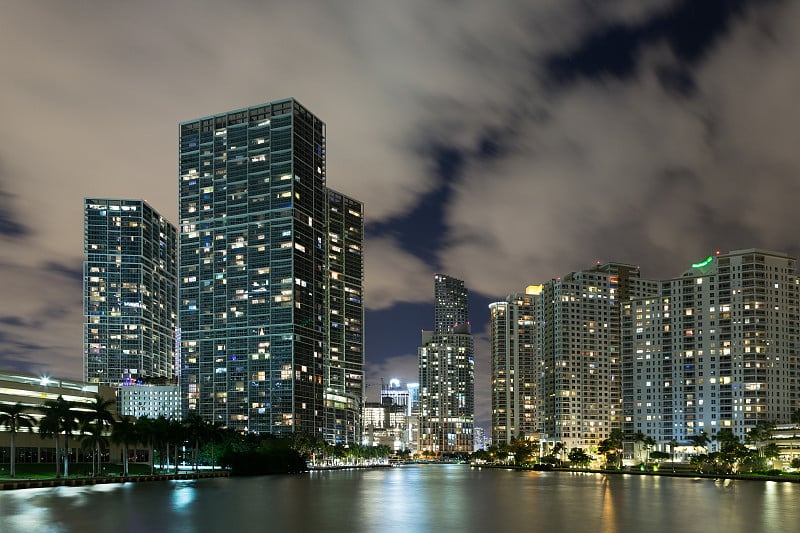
pixel 270 274
pixel 514 366
pixel 716 349
pixel 129 292
pixel 447 373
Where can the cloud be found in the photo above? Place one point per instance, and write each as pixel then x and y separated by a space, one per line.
pixel 403 367
pixel 41 324
pixel 628 170
pixel 393 275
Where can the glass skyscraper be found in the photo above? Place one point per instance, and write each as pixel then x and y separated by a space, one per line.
pixel 129 292
pixel 256 274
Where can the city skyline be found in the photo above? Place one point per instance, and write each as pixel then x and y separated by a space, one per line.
pixel 502 145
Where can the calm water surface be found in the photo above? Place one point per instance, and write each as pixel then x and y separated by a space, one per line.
pixel 421 498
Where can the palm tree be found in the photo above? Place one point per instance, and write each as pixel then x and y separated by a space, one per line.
pixel 124 433
pixel 176 432
pixel 50 428
pixel 215 432
pixel 558 449
pixel 15 419
pixel 196 428
pixel 700 441
pixel 616 437
pixel 60 417
pixel 94 424
pixel 673 443
pixel 161 440
pixel 146 431
pixel 92 439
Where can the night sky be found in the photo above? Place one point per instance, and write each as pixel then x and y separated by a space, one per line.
pixel 503 143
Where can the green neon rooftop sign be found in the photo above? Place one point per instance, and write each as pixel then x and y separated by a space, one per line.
pixel 701 264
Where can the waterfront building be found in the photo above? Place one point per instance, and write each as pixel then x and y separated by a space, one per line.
pixel 579 331
pixel 344 356
pixel 32 392
pixel 151 401
pixel 386 423
pixel 271 276
pixel 514 366
pixel 717 348
pixel 129 292
pixel 447 373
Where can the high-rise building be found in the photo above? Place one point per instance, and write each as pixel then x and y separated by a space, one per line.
pixel 579 322
pixel 514 366
pixel 129 292
pixel 450 309
pixel 716 349
pixel 270 276
pixel 344 357
pixel 447 373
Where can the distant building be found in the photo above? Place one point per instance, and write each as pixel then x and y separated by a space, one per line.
pixel 386 423
pixel 151 401
pixel 403 399
pixel 447 373
pixel 514 367
pixel 482 441
pixel 129 292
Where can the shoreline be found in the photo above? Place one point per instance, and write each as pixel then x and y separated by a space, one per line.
pixel 29 483
pixel 690 475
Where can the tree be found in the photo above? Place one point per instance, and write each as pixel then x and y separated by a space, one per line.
pixel 15 419
pixel 196 430
pixel 700 441
pixel 649 443
pixel 579 458
pixel 60 417
pixel 731 450
pixel 93 440
pixel 609 450
pixel 176 433
pixel 673 443
pixel 759 434
pixel 615 440
pixel 94 425
pixel 124 433
pixel 145 428
pixel 659 456
pixel 558 450
pixel 49 428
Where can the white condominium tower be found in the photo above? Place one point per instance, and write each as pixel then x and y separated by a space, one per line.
pixel 514 366
pixel 716 348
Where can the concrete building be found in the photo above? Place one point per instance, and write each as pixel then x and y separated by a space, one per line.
pixel 129 292
pixel 514 366
pixel 447 373
pixel 151 401
pixel 32 392
pixel 579 323
pixel 271 309
pixel 716 348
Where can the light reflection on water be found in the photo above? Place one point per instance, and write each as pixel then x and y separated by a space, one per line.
pixel 415 498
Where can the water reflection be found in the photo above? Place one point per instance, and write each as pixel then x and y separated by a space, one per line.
pixel 420 498
pixel 183 496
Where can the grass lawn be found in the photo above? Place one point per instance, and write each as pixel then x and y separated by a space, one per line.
pixel 44 471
